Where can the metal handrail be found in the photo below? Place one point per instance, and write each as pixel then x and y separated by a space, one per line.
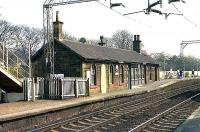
pixel 12 63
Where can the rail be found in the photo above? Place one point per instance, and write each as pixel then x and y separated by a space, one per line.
pixel 140 127
pixel 12 63
pixel 118 115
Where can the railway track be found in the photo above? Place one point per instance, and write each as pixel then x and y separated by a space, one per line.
pixel 170 119
pixel 120 113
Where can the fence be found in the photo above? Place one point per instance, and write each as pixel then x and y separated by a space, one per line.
pixel 137 81
pixel 35 86
pixel 173 74
pixel 67 87
pixel 57 88
pixel 12 64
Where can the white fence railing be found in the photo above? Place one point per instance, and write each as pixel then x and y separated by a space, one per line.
pixel 57 88
pixel 35 86
pixel 173 74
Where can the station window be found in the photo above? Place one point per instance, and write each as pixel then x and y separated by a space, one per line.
pixel 121 74
pixel 111 74
pixel 143 72
pixel 93 75
pixel 132 74
pixel 150 70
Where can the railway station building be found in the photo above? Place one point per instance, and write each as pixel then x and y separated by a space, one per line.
pixel 106 68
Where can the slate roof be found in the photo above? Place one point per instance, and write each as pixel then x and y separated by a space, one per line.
pixel 96 52
pixel 101 53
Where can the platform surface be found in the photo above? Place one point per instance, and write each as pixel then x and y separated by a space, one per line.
pixel 192 124
pixel 9 111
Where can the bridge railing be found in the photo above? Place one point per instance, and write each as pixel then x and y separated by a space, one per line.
pixel 12 63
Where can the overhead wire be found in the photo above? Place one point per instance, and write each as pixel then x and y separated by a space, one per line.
pixel 186 18
pixel 139 22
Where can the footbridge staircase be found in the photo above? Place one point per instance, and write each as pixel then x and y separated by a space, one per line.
pixel 12 70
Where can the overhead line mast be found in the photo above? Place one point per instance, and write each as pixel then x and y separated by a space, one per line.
pixel 185 43
pixel 48 31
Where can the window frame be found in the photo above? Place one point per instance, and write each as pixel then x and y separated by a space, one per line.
pixel 121 73
pixel 111 74
pixel 93 74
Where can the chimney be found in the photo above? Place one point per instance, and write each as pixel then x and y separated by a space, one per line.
pixel 57 26
pixel 102 41
pixel 137 44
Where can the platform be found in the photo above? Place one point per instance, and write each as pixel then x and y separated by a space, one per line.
pixel 9 111
pixel 192 124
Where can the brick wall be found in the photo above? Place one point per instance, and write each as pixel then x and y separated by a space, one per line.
pixel 110 87
pixel 152 69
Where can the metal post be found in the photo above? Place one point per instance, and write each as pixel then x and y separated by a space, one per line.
pixel 145 74
pixel 30 65
pixel 77 92
pixel 62 88
pixel 3 55
pixel 129 76
pixel 87 87
pixel 33 90
pixel 75 89
pixel 7 59
pixel 17 67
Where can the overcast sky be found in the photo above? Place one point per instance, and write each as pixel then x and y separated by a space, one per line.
pixel 90 20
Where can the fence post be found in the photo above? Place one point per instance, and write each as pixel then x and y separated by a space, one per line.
pixel 29 87
pixel 41 87
pixel 75 89
pixel 25 88
pixel 34 81
pixel 87 87
pixel 56 88
pixel 62 92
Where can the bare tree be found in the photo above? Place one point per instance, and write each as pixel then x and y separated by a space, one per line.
pixel 6 31
pixel 70 37
pixel 25 36
pixel 122 39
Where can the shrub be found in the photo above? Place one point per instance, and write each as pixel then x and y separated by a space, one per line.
pixel 186 74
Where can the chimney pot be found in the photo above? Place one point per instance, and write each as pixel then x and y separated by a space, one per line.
pixel 101 43
pixel 135 37
pixel 138 37
pixel 57 16
pixel 136 44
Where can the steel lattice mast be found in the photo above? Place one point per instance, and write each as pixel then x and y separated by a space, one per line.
pixel 48 30
pixel 185 43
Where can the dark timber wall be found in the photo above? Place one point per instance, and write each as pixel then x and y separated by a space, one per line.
pixel 66 62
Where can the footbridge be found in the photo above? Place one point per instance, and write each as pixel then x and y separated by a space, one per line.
pixel 12 70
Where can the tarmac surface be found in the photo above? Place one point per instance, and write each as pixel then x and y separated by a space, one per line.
pixel 9 111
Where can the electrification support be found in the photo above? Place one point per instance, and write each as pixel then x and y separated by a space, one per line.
pixel 185 43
